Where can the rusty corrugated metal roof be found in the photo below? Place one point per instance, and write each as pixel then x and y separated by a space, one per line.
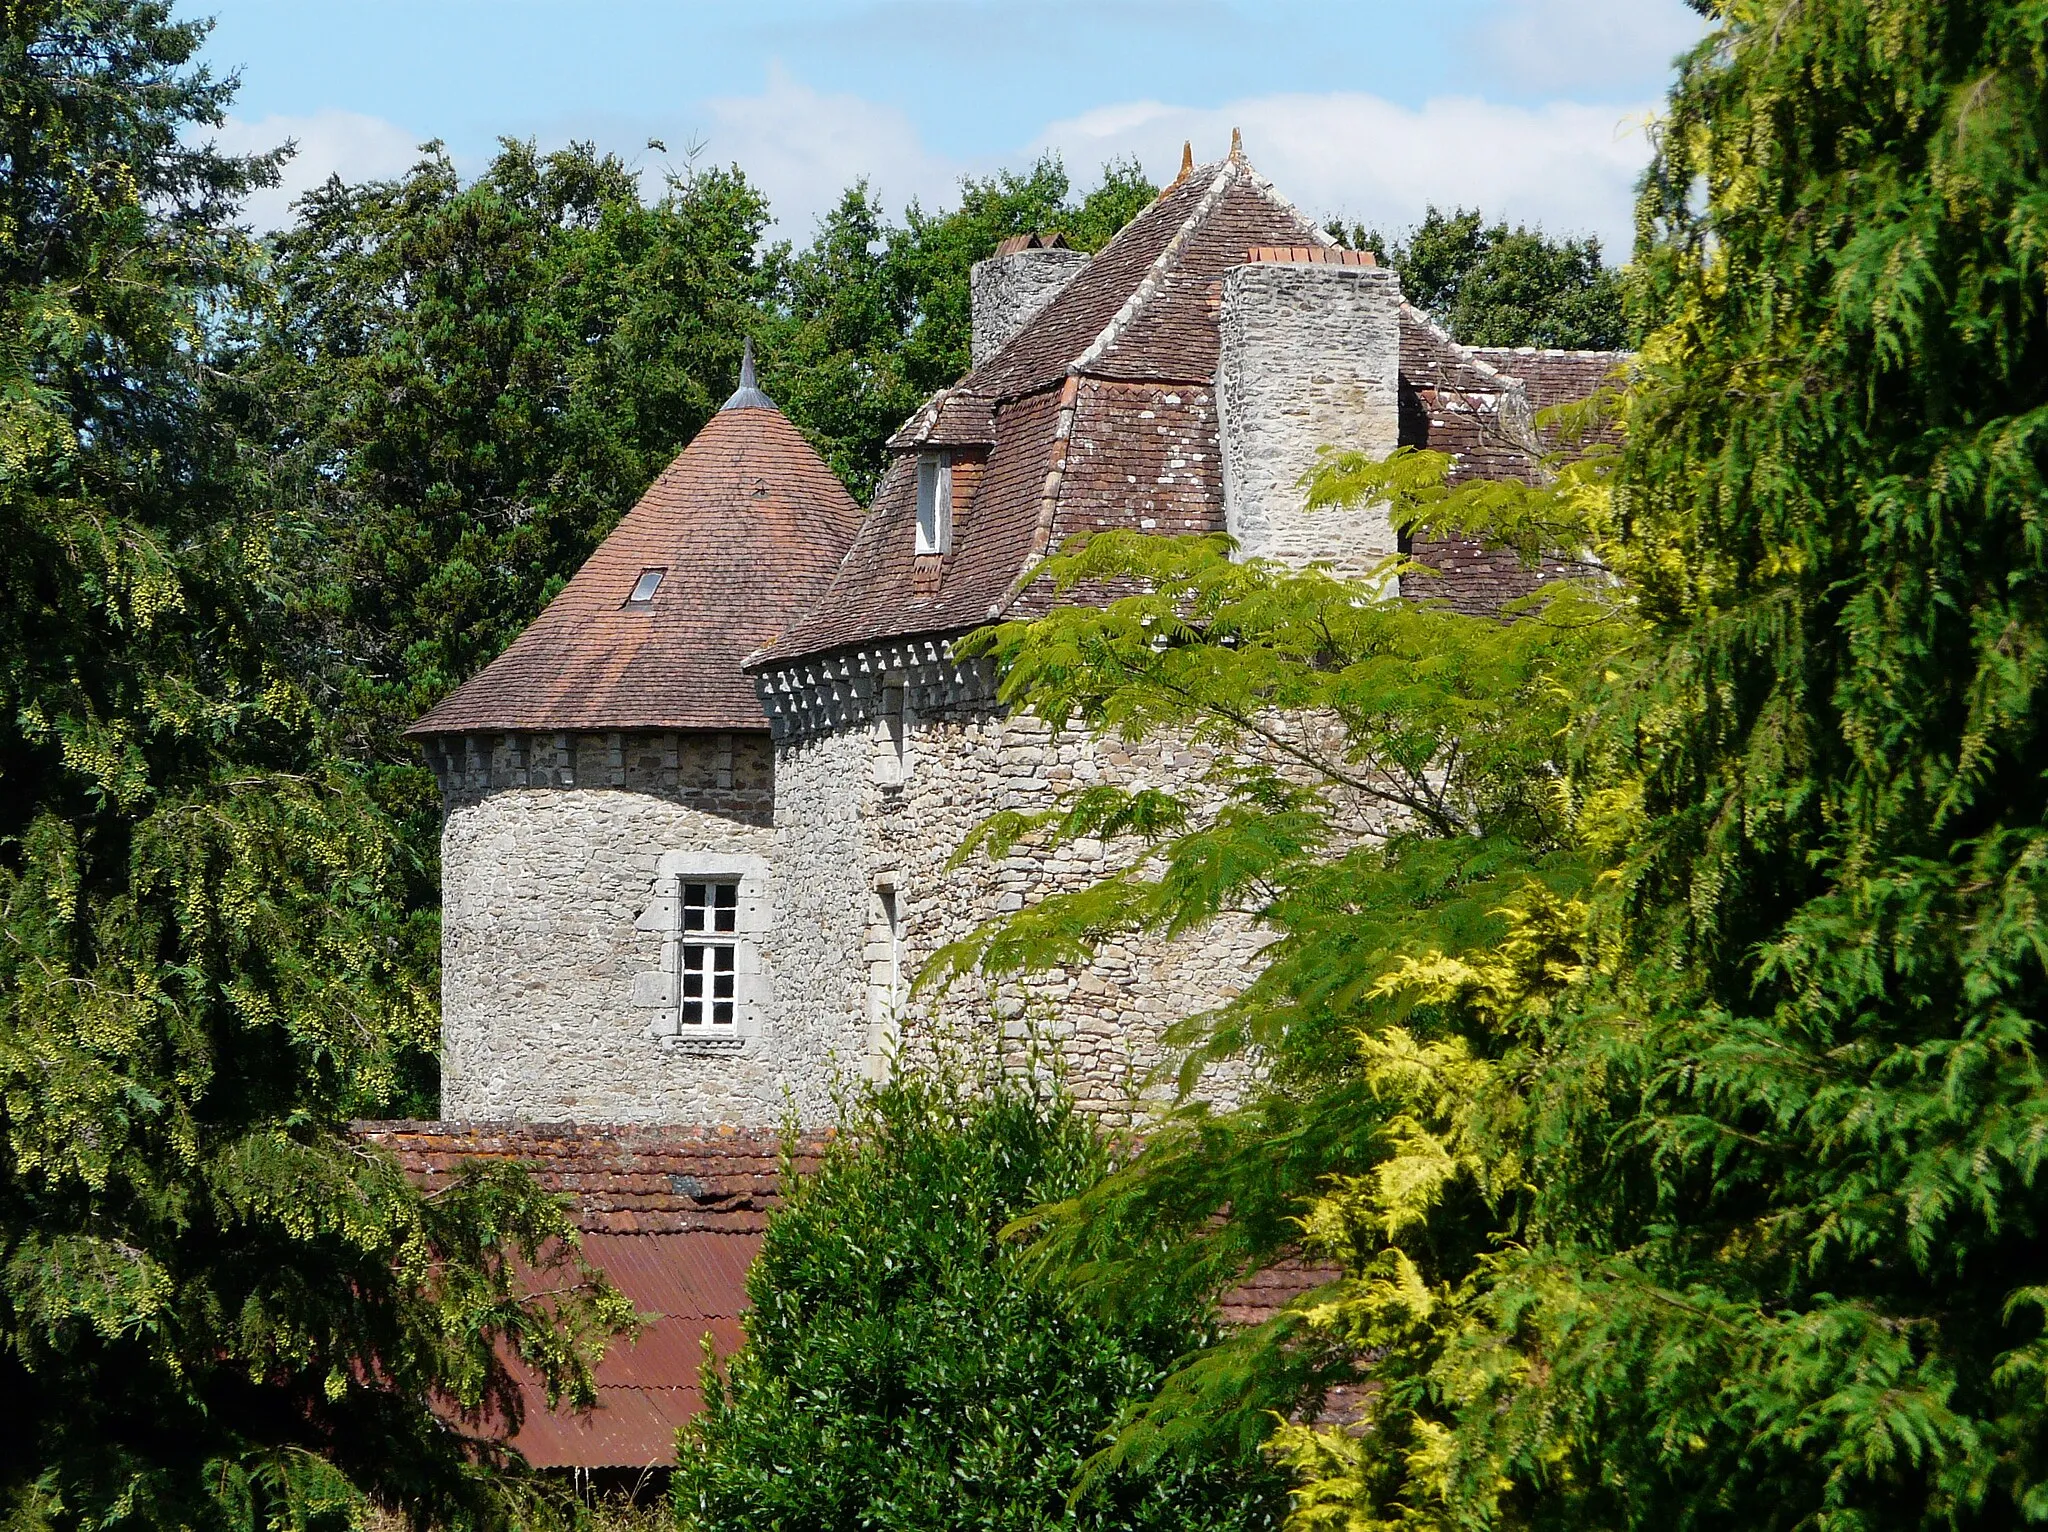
pixel 673 1216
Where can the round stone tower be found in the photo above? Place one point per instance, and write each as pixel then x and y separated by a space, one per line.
pixel 608 795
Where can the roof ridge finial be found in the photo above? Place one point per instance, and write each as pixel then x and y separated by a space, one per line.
pixel 748 395
pixel 1187 166
pixel 1237 145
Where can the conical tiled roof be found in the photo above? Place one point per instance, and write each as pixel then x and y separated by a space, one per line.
pixel 746 527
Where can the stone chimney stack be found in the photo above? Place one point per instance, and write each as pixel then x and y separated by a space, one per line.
pixel 1310 357
pixel 1010 287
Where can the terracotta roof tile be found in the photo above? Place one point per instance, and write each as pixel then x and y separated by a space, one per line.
pixel 1100 413
pixel 1555 377
pixel 1107 388
pixel 748 524
pixel 624 1179
pixel 1266 1292
pixel 876 590
pixel 1451 402
pixel 674 1216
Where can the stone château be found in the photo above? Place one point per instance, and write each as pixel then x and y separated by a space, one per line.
pixel 700 815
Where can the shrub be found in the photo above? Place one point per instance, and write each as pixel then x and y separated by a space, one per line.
pixel 905 1368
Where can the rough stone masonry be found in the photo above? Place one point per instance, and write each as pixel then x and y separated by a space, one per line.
pixel 701 818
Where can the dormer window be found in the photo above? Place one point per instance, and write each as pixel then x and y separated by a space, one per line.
pixel 645 587
pixel 934 502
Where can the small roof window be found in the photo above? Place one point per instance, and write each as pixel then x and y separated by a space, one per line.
pixel 645 587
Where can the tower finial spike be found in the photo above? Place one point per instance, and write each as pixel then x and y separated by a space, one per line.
pixel 1187 166
pixel 1236 144
pixel 748 395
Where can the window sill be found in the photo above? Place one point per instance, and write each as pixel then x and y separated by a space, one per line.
pixel 685 1042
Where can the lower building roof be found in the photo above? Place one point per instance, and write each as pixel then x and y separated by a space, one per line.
pixel 674 1216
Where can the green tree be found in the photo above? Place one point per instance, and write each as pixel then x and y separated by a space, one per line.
pixel 1701 1185
pixel 216 1309
pixel 832 349
pixel 902 1370
pixel 1783 1268
pixel 1490 285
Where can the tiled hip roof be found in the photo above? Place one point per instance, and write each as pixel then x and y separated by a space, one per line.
pixel 1100 413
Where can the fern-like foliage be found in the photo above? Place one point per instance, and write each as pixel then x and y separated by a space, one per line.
pixel 1696 1179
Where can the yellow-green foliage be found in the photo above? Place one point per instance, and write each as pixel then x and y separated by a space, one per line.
pixel 1686 1169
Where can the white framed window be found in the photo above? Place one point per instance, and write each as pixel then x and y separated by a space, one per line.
pixel 934 502
pixel 645 587
pixel 710 911
pixel 709 995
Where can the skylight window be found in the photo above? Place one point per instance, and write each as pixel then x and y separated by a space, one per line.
pixel 645 587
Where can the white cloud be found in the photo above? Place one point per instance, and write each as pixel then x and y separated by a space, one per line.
pixel 1567 166
pixel 348 144
pixel 803 148
pixel 1580 45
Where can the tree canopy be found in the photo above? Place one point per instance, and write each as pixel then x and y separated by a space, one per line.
pixel 1489 285
pixel 904 1369
pixel 216 1309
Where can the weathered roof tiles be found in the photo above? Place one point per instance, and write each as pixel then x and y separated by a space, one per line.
pixel 1114 376
pixel 674 1216
pixel 745 528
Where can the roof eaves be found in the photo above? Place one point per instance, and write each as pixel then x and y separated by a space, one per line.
pixel 1507 400
pixel 1562 352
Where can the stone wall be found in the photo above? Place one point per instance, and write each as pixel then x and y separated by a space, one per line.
pixel 1310 357
pixel 559 855
pixel 865 831
pixel 1009 291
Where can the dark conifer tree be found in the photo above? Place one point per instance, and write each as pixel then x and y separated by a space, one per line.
pixel 216 1309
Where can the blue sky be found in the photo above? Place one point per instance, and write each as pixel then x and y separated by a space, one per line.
pixel 1368 109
